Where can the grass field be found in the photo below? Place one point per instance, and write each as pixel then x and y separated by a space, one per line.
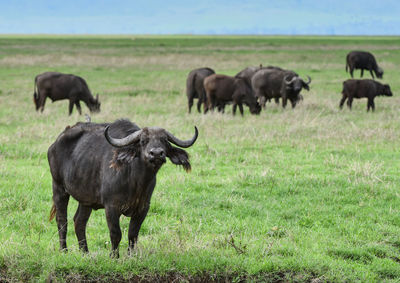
pixel 310 194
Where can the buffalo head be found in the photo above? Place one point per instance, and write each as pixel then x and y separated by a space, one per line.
pixel 296 83
pixel 255 108
pixel 387 91
pixel 379 73
pixel 94 104
pixel 152 145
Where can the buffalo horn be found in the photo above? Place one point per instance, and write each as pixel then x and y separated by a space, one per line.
pixel 180 143
pixel 309 80
pixel 124 141
pixel 289 82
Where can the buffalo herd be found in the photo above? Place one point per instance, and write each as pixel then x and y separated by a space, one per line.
pixel 255 85
pixel 114 165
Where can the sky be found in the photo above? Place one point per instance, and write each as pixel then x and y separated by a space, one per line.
pixel 278 17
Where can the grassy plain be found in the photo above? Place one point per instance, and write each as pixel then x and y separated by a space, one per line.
pixel 293 195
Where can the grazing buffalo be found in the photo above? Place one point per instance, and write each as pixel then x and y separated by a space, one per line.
pixel 110 166
pixel 364 61
pixel 363 88
pixel 59 86
pixel 277 83
pixel 221 90
pixel 195 86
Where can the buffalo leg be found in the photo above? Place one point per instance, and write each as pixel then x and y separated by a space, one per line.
pixel 284 102
pixel 263 101
pixel 350 102
pixel 71 106
pixel 344 97
pixel 190 104
pixel 134 227
pixel 80 220
pixel 240 108
pixel 60 199
pixel 276 100
pixel 42 102
pixel 293 102
pixel 112 215
pixel 372 74
pixel 351 72
pixel 362 73
pixel 371 104
pixel 199 103
pixel 78 106
pixel 234 108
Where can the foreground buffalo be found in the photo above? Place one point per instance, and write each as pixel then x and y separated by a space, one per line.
pixel 364 61
pixel 111 166
pixel 277 83
pixel 363 88
pixel 59 86
pixel 195 87
pixel 221 90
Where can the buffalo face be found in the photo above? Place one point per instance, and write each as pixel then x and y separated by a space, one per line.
pixel 255 108
pixel 152 145
pixel 387 91
pixel 296 84
pixel 379 73
pixel 94 105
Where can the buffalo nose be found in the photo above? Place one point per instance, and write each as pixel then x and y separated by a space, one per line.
pixel 157 153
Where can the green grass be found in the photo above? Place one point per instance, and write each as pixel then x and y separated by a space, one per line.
pixel 292 195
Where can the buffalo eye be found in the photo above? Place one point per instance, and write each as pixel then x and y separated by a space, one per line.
pixel 144 141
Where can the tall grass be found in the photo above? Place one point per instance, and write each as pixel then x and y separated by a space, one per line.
pixel 296 195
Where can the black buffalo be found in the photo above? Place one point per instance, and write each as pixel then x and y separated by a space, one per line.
pixel 195 86
pixel 59 86
pixel 363 88
pixel 278 83
pixel 110 166
pixel 221 90
pixel 364 61
pixel 248 73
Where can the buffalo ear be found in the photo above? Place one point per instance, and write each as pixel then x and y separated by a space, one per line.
pixel 179 157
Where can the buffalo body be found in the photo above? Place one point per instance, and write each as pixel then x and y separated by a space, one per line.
pixel 110 166
pixel 363 88
pixel 58 86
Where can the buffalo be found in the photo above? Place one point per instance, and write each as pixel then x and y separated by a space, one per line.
pixel 364 61
pixel 278 83
pixel 222 89
pixel 195 86
pixel 363 88
pixel 111 166
pixel 248 73
pixel 58 86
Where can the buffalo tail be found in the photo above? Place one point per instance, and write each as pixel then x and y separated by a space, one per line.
pixel 52 212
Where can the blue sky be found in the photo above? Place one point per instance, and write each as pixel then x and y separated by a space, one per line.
pixel 291 17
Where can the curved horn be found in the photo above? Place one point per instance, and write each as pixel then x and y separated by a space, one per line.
pixel 309 80
pixel 178 142
pixel 289 82
pixel 124 141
